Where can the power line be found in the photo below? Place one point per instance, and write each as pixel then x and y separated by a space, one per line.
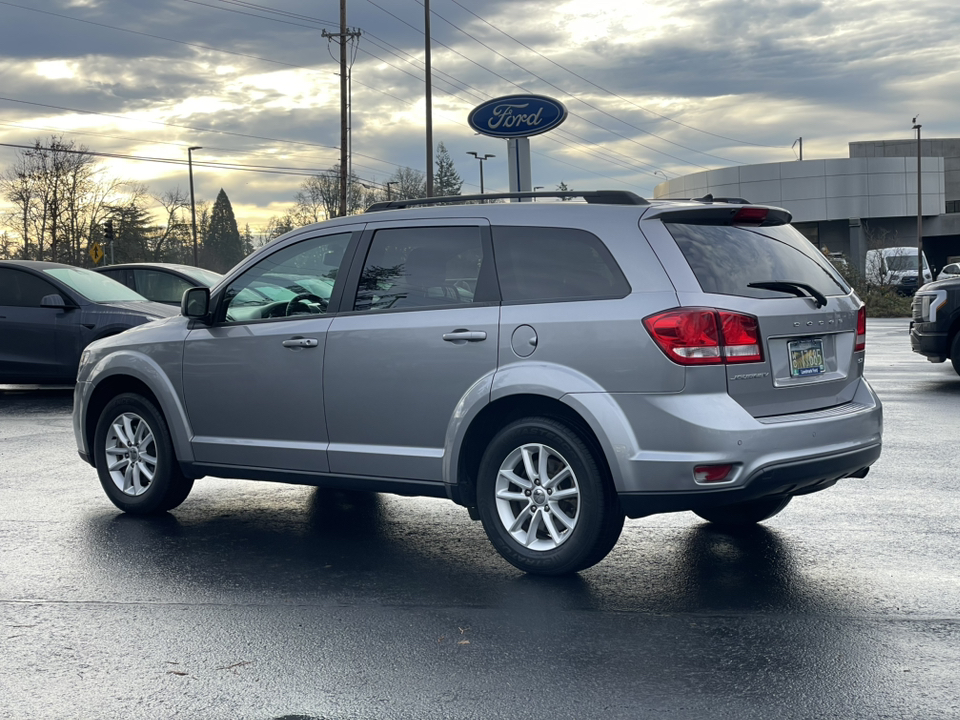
pixel 239 167
pixel 590 105
pixel 195 129
pixel 307 18
pixel 399 19
pixel 207 47
pixel 610 92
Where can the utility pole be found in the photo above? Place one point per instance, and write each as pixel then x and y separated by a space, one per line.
pixel 917 126
pixel 429 84
pixel 193 204
pixel 343 37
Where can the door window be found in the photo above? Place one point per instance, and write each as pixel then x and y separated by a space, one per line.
pixel 21 289
pixel 295 281
pixel 160 286
pixel 424 267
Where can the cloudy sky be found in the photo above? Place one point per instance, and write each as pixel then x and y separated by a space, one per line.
pixel 653 90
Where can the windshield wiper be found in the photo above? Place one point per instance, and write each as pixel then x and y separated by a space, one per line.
pixel 794 288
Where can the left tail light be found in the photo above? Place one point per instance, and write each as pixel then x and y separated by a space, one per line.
pixel 861 330
pixel 706 336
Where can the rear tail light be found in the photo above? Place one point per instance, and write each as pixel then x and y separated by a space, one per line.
pixel 705 336
pixel 861 330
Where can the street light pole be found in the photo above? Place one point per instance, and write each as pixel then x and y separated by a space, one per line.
pixel 917 126
pixel 193 204
pixel 481 159
pixel 390 194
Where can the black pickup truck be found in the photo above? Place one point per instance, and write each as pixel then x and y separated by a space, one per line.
pixel 935 329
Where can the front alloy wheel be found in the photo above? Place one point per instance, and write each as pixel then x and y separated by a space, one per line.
pixel 131 453
pixel 134 456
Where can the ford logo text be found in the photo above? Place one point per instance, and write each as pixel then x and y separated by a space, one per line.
pixel 517 116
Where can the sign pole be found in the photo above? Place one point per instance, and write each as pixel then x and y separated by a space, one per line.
pixel 518 160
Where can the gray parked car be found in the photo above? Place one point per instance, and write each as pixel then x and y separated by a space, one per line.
pixel 551 366
pixel 49 312
pixel 160 282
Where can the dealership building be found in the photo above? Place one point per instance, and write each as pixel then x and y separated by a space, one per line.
pixel 847 205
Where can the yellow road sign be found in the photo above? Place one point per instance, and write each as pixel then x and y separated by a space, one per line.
pixel 96 252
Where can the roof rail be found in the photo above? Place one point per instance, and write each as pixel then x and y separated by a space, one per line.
pixel 601 197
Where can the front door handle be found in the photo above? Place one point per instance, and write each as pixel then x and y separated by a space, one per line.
pixel 301 342
pixel 461 336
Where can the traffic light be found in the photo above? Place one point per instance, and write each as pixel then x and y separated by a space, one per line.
pixel 108 231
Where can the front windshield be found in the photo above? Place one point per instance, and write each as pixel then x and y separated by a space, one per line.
pixel 899 263
pixel 94 286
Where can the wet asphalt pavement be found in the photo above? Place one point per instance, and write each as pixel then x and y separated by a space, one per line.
pixel 262 601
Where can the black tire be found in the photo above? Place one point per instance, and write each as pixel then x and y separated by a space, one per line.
pixel 746 513
pixel 590 503
pixel 955 352
pixel 152 451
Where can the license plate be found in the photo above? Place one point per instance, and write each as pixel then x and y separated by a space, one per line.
pixel 806 357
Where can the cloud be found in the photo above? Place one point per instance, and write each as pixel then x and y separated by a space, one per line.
pixel 665 87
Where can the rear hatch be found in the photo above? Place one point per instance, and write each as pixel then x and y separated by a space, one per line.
pixel 793 326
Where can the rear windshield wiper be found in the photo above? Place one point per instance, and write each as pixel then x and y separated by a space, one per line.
pixel 794 288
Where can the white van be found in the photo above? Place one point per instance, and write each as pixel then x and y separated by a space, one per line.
pixel 896 266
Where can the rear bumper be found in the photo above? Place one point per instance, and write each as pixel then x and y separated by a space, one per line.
pixel 799 477
pixel 653 443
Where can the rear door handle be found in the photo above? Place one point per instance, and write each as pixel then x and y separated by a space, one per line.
pixel 460 336
pixel 301 342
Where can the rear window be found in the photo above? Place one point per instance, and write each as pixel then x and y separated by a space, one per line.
pixel 727 259
pixel 538 263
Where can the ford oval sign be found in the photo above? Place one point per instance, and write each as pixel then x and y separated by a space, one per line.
pixel 517 116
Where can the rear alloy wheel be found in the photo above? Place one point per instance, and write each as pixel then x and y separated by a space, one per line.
pixel 544 500
pixel 745 513
pixel 135 461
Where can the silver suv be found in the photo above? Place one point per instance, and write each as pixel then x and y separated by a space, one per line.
pixel 550 366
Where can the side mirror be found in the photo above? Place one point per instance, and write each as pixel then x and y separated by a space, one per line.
pixel 53 300
pixel 195 303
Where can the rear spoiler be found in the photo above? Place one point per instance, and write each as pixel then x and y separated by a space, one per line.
pixel 750 215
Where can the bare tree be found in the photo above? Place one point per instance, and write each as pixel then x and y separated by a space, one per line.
pixel 410 184
pixel 58 196
pixel 168 238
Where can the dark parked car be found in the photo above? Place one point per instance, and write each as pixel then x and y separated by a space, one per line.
pixel 161 282
pixel 50 312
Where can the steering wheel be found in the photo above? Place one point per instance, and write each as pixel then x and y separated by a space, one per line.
pixel 298 300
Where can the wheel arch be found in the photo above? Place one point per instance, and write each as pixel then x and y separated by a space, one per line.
pixel 500 413
pixel 142 378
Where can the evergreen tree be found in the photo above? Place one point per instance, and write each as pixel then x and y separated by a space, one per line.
pixel 222 245
pixel 447 181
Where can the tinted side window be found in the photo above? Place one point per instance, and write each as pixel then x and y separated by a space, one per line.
pixel 21 289
pixel 535 264
pixel 424 267
pixel 118 275
pixel 160 286
pixel 294 281
pixel 726 259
